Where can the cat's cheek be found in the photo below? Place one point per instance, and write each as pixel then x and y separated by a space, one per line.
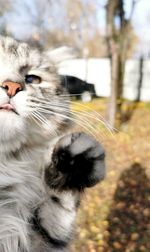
pixel 19 101
pixel 3 97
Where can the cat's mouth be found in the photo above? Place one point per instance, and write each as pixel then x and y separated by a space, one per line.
pixel 8 108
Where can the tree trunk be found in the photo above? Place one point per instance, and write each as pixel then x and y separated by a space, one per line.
pixel 113 97
pixel 116 47
pixel 115 102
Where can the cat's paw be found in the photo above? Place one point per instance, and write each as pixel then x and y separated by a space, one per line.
pixel 80 158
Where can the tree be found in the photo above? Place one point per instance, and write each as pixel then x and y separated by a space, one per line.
pixel 53 23
pixel 119 30
pixel 5 6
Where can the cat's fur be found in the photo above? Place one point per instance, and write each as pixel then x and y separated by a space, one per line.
pixel 42 170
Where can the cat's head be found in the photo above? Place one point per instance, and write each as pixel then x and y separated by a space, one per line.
pixel 32 100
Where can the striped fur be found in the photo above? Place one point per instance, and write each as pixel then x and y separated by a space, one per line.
pixel 38 196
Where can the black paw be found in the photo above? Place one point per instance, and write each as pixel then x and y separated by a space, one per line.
pixel 80 158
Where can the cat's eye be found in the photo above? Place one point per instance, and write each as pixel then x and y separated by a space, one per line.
pixel 31 78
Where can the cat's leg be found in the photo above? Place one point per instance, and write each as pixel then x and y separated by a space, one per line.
pixel 54 220
pixel 77 163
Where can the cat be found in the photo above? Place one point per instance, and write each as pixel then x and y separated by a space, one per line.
pixel 44 168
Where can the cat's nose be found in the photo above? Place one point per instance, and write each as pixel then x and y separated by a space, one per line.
pixel 12 87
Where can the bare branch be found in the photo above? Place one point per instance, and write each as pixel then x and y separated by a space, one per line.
pixel 134 2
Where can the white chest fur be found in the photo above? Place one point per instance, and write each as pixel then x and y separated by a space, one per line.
pixel 21 191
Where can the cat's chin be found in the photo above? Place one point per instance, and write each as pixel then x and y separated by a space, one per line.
pixel 12 128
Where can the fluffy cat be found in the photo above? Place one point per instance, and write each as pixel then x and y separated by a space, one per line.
pixel 43 169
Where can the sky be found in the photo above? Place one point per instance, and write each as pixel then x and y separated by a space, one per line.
pixel 141 21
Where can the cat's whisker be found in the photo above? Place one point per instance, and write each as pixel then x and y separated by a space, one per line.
pixel 88 124
pixel 82 115
pixel 38 118
pixel 62 104
pixel 86 114
pixel 45 121
pixel 48 124
pixel 34 118
pixel 79 121
pixel 68 118
pixel 109 127
pixel 98 115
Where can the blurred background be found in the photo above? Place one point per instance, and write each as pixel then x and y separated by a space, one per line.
pixel 109 85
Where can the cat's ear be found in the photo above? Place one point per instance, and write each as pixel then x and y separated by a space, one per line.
pixel 61 54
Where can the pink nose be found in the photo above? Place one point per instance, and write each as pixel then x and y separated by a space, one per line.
pixel 12 87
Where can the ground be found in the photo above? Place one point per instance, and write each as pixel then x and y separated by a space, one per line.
pixel 115 215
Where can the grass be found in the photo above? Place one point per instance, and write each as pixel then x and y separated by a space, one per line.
pixel 115 215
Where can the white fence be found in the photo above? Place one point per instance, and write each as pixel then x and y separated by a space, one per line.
pixel 97 72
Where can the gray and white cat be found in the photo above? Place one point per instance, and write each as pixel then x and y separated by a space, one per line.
pixel 43 170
